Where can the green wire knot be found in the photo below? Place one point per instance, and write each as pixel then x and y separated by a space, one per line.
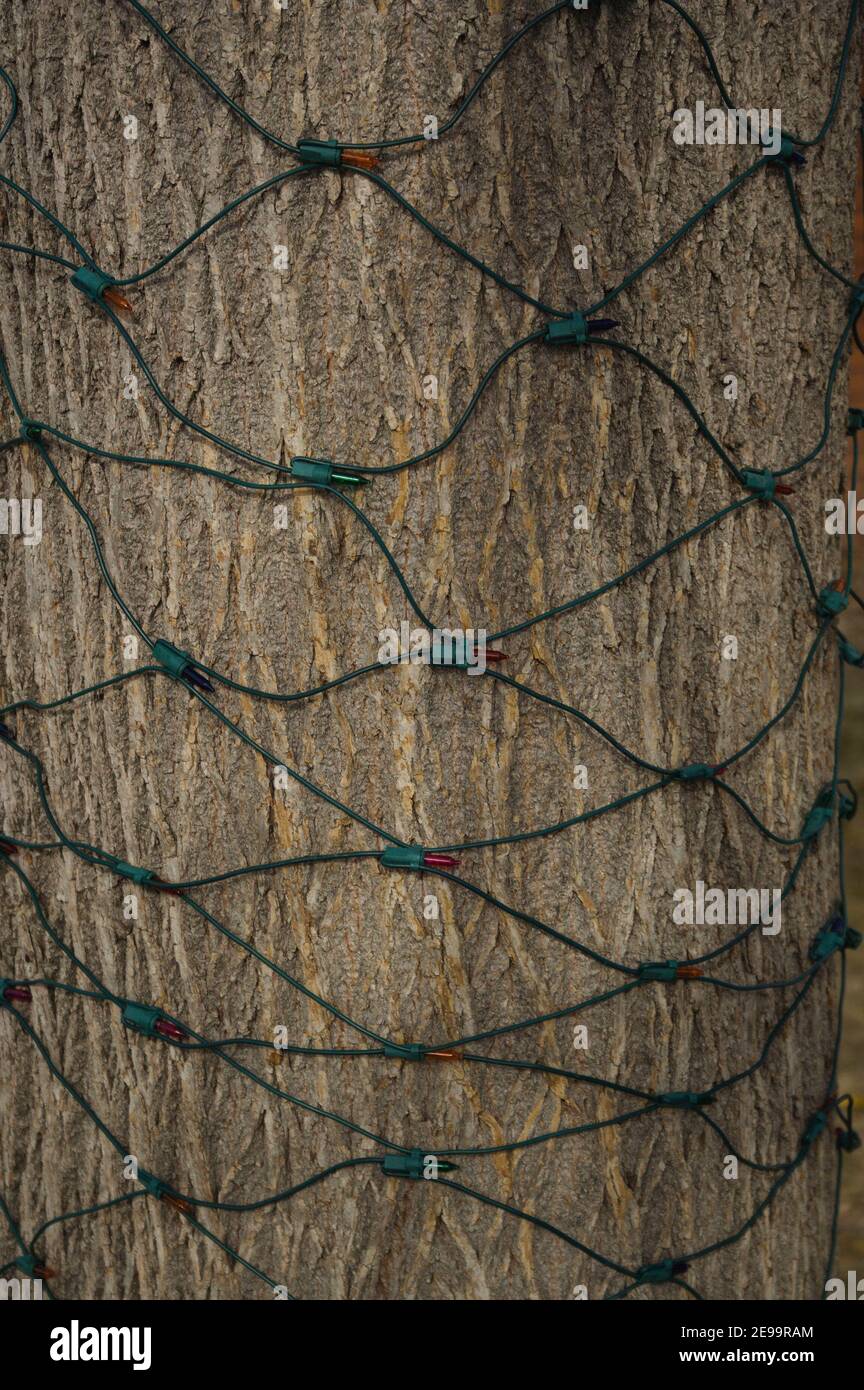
pixel 817 819
pixel 171 657
pixel 660 1273
pixel 685 1100
pixel 409 1052
pixel 832 601
pixel 30 430
pixel 836 935
pixel 142 1018
pixel 323 473
pixel 759 481
pixel 181 664
pixel 457 652
pixel 27 1264
pixel 787 153
pixel 822 811
pixel 416 1164
pixel 91 282
pixel 658 970
pixel 855 421
pixel 848 1139
pixel 573 329
pixel 405 857
pixel 816 1125
pixel 694 772
pixel 327 152
pixel 848 653
pixel 161 1190
pixel 847 802
pixel 155 1186
pixel 131 871
pixel 820 815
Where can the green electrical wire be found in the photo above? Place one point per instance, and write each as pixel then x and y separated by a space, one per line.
pixel 827 809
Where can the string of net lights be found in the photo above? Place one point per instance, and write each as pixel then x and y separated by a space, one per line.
pixel 188 676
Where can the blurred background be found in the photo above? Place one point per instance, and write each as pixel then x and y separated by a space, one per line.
pixel 850 1252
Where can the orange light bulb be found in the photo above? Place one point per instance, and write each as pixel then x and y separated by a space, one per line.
pixel 117 299
pixel 359 159
pixel 177 1203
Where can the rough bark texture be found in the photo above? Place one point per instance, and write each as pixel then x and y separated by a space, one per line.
pixel 569 143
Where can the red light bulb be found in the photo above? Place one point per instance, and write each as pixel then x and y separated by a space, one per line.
pixel 18 994
pixel 169 1030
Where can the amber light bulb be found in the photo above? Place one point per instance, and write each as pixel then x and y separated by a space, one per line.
pixel 177 1203
pixel 444 1055
pixel 359 159
pixel 689 972
pixel 117 299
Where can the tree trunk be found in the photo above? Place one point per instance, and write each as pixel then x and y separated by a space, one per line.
pixel 569 143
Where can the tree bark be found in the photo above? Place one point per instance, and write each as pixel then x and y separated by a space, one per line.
pixel 568 143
